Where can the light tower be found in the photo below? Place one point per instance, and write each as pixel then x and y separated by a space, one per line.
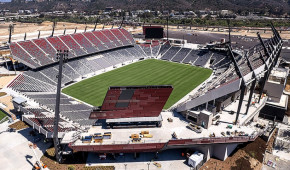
pixel 62 57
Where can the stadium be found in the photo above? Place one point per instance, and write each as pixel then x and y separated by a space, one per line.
pixel 114 86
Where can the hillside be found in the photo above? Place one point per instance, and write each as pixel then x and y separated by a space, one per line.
pixel 272 6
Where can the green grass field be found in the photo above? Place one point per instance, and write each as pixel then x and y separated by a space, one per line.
pixel 2 115
pixel 184 79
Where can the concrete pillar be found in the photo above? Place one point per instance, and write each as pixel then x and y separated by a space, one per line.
pixel 222 151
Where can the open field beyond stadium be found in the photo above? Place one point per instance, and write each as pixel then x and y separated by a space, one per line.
pixel 184 79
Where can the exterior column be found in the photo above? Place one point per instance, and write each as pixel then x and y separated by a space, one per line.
pixel 242 95
pixel 251 94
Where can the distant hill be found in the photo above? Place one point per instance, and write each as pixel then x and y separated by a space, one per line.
pixel 272 6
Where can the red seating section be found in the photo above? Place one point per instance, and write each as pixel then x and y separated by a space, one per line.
pixel 35 52
pixel 112 37
pixel 67 39
pixel 127 35
pixel 84 42
pixel 59 45
pixel 146 101
pixel 95 41
pixel 41 52
pixel 19 53
pixel 120 36
pixel 104 39
pixel 46 47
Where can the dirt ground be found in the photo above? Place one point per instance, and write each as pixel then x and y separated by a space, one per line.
pixel 21 28
pixel 5 80
pixel 19 125
pixel 247 156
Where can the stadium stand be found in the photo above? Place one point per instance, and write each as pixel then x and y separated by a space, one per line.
pixel 169 54
pixel 191 57
pixel 77 49
pixel 76 112
pixel 164 48
pixel 93 39
pixel 147 50
pixel 203 59
pixel 128 36
pixel 81 68
pixel 109 43
pixel 20 54
pixel 46 47
pixel 40 77
pixel 121 37
pixel 112 37
pixel 155 50
pixel 84 42
pixel 59 45
pixel 179 57
pixel 43 51
pixel 35 52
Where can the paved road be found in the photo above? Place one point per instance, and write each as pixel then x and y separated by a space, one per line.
pixel 206 37
pixel 15 153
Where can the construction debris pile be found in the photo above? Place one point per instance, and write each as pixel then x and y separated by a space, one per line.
pixel 283 140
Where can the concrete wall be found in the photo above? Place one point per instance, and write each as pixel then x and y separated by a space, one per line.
pixel 202 119
pixel 222 151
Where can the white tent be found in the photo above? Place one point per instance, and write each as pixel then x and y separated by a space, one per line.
pixel 195 159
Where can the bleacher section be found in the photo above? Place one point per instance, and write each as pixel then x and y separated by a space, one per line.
pixel 69 108
pixel 71 43
pixel 181 55
pixel 121 37
pixel 169 54
pixel 84 42
pixel 109 43
pixel 74 69
pixel 191 58
pixel 203 58
pixel 35 52
pixel 20 54
pixel 46 47
pixel 42 52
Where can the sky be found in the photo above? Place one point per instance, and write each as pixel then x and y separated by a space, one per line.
pixel 5 0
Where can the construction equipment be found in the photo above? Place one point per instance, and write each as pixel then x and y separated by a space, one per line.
pixel 212 135
pixel 147 136
pixel 98 139
pixel 135 138
pixel 87 139
pixel 144 132
pixel 174 135
pixel 195 128
pixel 107 135
pixel 158 165
pixel 223 133
pixel 229 127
